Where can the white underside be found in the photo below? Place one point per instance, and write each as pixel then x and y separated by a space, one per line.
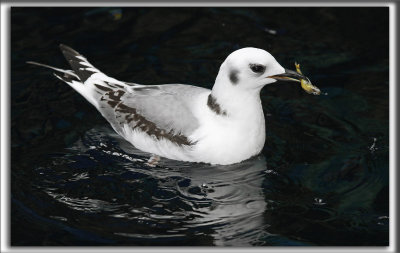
pixel 218 140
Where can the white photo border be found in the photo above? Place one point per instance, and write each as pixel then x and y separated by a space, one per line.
pixel 6 138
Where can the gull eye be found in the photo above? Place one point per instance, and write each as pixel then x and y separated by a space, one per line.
pixel 257 68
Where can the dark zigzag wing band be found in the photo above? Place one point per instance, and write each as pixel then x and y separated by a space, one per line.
pixel 80 70
pixel 129 115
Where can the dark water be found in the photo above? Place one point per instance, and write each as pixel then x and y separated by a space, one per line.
pixel 321 179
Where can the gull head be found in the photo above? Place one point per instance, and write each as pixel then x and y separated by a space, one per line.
pixel 252 68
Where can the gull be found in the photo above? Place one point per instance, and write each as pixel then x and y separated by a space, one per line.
pixel 224 125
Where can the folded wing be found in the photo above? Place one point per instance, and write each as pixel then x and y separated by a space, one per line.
pixel 161 112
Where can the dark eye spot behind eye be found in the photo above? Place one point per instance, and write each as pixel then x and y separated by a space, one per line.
pixel 257 68
pixel 233 76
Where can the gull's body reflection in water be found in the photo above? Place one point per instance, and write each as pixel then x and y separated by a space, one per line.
pixel 236 201
pixel 107 189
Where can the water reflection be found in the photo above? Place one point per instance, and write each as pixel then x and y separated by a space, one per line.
pixel 170 200
pixel 237 202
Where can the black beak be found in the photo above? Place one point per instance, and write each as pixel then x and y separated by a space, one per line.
pixel 290 75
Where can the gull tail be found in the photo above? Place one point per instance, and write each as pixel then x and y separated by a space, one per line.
pixel 68 74
pixel 81 71
pixel 83 77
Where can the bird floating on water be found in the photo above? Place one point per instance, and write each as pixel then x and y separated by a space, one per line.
pixel 224 125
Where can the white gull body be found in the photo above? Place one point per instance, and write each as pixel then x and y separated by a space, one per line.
pixel 224 125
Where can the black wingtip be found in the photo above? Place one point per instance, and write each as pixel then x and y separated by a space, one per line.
pixel 65 48
pixel 78 63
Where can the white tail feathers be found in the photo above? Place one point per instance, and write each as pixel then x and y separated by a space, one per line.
pixel 65 71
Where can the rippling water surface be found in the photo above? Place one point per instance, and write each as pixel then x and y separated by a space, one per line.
pixel 321 179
